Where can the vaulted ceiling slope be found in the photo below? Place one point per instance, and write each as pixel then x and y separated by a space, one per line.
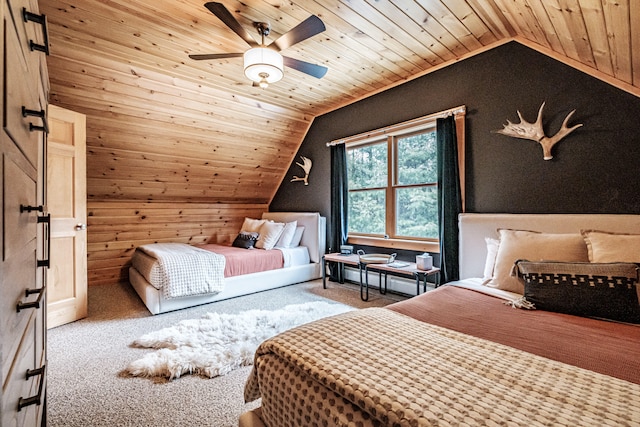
pixel 162 126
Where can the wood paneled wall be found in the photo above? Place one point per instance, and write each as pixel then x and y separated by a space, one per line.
pixel 168 160
pixel 116 228
pixel 149 139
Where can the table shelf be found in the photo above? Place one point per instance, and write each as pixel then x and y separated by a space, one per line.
pixel 410 271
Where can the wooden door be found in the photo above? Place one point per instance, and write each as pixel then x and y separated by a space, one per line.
pixel 67 204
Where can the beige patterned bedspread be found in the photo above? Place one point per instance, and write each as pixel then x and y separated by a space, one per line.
pixel 402 372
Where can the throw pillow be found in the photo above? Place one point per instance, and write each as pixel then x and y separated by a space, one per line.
pixel 245 240
pixel 251 225
pixel 297 236
pixel 287 234
pixel 269 234
pixel 612 247
pixel 603 290
pixel 534 246
pixel 490 261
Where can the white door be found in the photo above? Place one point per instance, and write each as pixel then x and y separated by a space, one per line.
pixel 67 204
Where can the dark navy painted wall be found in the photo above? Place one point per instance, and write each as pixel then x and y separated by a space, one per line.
pixel 594 170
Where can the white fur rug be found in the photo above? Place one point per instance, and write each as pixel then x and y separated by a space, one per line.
pixel 216 344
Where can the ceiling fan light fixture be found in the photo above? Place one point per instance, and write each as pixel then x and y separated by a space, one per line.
pixel 263 82
pixel 263 65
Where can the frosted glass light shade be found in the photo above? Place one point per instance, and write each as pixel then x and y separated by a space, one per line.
pixel 263 63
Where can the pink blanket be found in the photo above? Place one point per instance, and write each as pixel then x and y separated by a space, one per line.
pixel 241 261
pixel 606 347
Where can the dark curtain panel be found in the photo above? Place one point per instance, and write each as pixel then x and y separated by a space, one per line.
pixel 339 205
pixel 449 198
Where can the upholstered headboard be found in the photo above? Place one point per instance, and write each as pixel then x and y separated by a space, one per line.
pixel 314 235
pixel 475 227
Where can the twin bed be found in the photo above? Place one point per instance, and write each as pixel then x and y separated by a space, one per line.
pixel 462 354
pixel 245 270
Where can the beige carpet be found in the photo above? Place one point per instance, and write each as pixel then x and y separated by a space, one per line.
pixel 87 386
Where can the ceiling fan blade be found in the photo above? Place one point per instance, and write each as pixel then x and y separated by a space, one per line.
pixel 215 56
pixel 225 16
pixel 317 71
pixel 307 28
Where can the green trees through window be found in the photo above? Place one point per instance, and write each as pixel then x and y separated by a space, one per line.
pixel 393 186
pixel 367 174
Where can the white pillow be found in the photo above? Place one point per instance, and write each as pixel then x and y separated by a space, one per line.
pixel 297 236
pixel 269 234
pixel 490 261
pixel 287 234
pixel 532 246
pixel 252 225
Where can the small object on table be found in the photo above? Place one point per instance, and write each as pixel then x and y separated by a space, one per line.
pixel 398 264
pixel 424 261
pixel 346 249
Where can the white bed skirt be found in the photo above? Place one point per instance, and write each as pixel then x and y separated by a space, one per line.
pixel 233 287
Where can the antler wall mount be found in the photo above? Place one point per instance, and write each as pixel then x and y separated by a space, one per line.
pixel 306 167
pixel 535 132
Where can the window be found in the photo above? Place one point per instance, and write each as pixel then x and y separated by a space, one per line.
pixel 393 186
pixel 393 183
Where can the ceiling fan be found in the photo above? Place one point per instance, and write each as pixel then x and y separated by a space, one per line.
pixel 263 64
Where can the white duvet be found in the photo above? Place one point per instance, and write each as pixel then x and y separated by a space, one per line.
pixel 184 270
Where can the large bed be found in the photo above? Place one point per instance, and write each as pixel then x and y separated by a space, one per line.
pixel 469 352
pixel 297 265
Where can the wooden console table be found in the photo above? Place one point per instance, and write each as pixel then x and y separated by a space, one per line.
pixel 410 270
pixel 341 260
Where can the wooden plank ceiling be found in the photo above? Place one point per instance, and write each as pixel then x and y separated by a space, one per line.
pixel 162 127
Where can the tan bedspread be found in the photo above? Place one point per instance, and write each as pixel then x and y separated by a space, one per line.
pixel 404 372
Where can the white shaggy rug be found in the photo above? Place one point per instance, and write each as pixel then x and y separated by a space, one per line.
pixel 216 344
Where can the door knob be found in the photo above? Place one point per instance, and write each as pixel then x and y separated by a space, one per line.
pixel 80 226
